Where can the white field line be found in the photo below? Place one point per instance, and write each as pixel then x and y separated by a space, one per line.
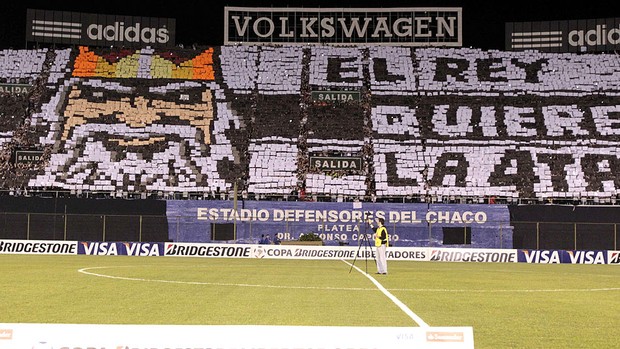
pixel 602 289
pixel 447 290
pixel 393 298
pixel 87 272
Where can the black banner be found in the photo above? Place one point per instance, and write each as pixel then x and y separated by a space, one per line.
pixel 592 35
pixel 76 28
pixel 438 26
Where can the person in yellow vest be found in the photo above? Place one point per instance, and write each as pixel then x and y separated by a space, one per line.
pixel 381 243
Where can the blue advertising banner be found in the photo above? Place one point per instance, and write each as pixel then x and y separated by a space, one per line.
pixel 338 223
pixel 121 248
pixel 562 256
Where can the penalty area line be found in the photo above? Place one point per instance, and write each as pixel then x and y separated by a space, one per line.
pixel 393 298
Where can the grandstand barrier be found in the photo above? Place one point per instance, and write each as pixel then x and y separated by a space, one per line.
pixel 565 227
pixel 35 218
pixel 253 251
pixel 550 227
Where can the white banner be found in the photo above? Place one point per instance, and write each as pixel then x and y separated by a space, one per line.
pixel 362 250
pixel 61 336
pixel 37 247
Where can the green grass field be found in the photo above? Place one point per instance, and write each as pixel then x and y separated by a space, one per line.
pixel 508 305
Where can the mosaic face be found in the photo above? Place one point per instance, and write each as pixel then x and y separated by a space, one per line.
pixel 139 109
pixel 155 133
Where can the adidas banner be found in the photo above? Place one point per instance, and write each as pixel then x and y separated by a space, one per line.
pixel 76 28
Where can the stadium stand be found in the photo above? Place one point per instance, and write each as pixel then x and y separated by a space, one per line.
pixel 431 124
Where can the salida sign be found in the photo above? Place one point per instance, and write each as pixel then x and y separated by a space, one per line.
pixel 28 156
pixel 99 30
pixel 15 89
pixel 336 163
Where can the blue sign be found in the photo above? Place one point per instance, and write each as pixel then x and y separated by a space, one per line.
pixel 121 248
pixel 562 256
pixel 418 225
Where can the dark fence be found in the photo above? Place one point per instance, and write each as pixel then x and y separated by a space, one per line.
pixel 37 218
pixel 565 227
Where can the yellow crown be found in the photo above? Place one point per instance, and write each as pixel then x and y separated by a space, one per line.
pixel 89 64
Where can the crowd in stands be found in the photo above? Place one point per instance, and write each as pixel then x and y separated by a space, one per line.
pixel 433 124
pixel 20 68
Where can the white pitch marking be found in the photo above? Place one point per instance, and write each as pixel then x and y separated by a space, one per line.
pixel 85 271
pixel 604 289
pixel 393 298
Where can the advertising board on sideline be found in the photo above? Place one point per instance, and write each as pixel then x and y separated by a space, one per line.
pixel 47 336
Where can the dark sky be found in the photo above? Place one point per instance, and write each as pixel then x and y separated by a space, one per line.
pixel 202 21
